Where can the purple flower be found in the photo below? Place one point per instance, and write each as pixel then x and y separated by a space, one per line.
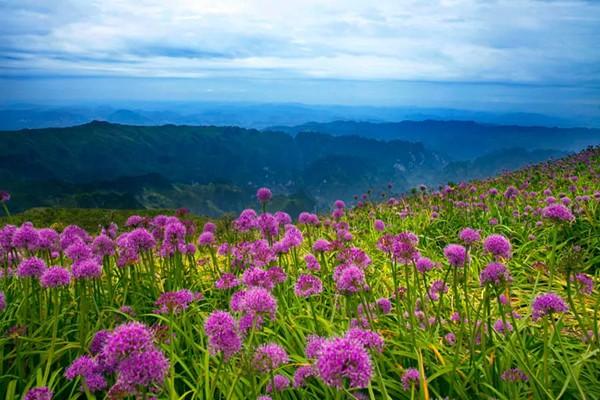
pixel 469 236
pixel 48 239
pixel 98 341
pixel 558 212
pixel 321 245
pixel 4 196
pixel 54 277
pixel 312 263
pixel 585 283
pixel 264 195
pixel 494 274
pixel 503 327
pixel 206 239
pixel 39 393
pixel 424 264
pixel 134 221
pixel 221 329
pixel 514 375
pixel 402 246
pixel 258 301
pixel 385 305
pixel 72 234
pixel 175 302
pixel 257 277
pixel 281 382
pixel 369 339
pixel 143 369
pixel 125 340
pixel 246 221
pixel 269 357
pixel 103 246
pixel 456 255
pixel 2 301
pixel 308 218
pixel 410 378
pixel 339 204
pixel 209 227
pixel 314 344
pixel 26 237
pixel 349 279
pixel 227 281
pixel 31 267
pixel 547 304
pixel 343 360
pixel 78 251
pixel 87 269
pixel 498 246
pixel 379 225
pixel 88 369
pixel 308 285
pixel 302 374
pixel 139 240
pixel 437 287
pixel 277 275
pixel 450 338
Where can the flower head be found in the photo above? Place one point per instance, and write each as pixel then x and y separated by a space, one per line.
pixel 410 378
pixel 227 281
pixel 548 304
pixel 39 393
pixel 558 212
pixel 144 369
pixel 424 264
pixel 349 279
pixel 264 195
pixel 498 246
pixel 278 383
pixel 54 277
pixel 31 267
pixel 495 274
pixel 175 302
pixel 125 340
pixel 469 236
pixel 87 269
pixel 344 360
pixel 514 375
pixel 221 329
pixel 584 282
pixel 308 285
pixel 269 357
pixel 456 255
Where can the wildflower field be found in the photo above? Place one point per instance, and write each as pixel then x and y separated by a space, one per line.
pixel 477 290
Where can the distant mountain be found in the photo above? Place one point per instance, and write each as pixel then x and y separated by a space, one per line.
pixel 459 140
pixel 259 115
pixel 496 162
pixel 208 169
pixel 214 170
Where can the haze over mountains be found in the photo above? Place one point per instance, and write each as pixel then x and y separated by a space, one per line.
pixel 261 115
pixel 216 169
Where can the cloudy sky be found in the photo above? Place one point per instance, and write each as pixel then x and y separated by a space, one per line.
pixel 526 53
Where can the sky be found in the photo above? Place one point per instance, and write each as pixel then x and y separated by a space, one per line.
pixel 528 55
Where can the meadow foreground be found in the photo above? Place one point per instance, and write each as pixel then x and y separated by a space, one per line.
pixel 477 290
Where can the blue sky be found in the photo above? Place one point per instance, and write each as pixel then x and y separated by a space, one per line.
pixel 530 55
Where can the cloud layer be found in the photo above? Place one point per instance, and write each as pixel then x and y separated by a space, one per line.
pixel 514 41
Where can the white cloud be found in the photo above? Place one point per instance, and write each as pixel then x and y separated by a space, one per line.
pixel 522 41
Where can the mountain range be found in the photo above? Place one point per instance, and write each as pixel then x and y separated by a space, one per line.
pixel 216 169
pixel 459 140
pixel 258 115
